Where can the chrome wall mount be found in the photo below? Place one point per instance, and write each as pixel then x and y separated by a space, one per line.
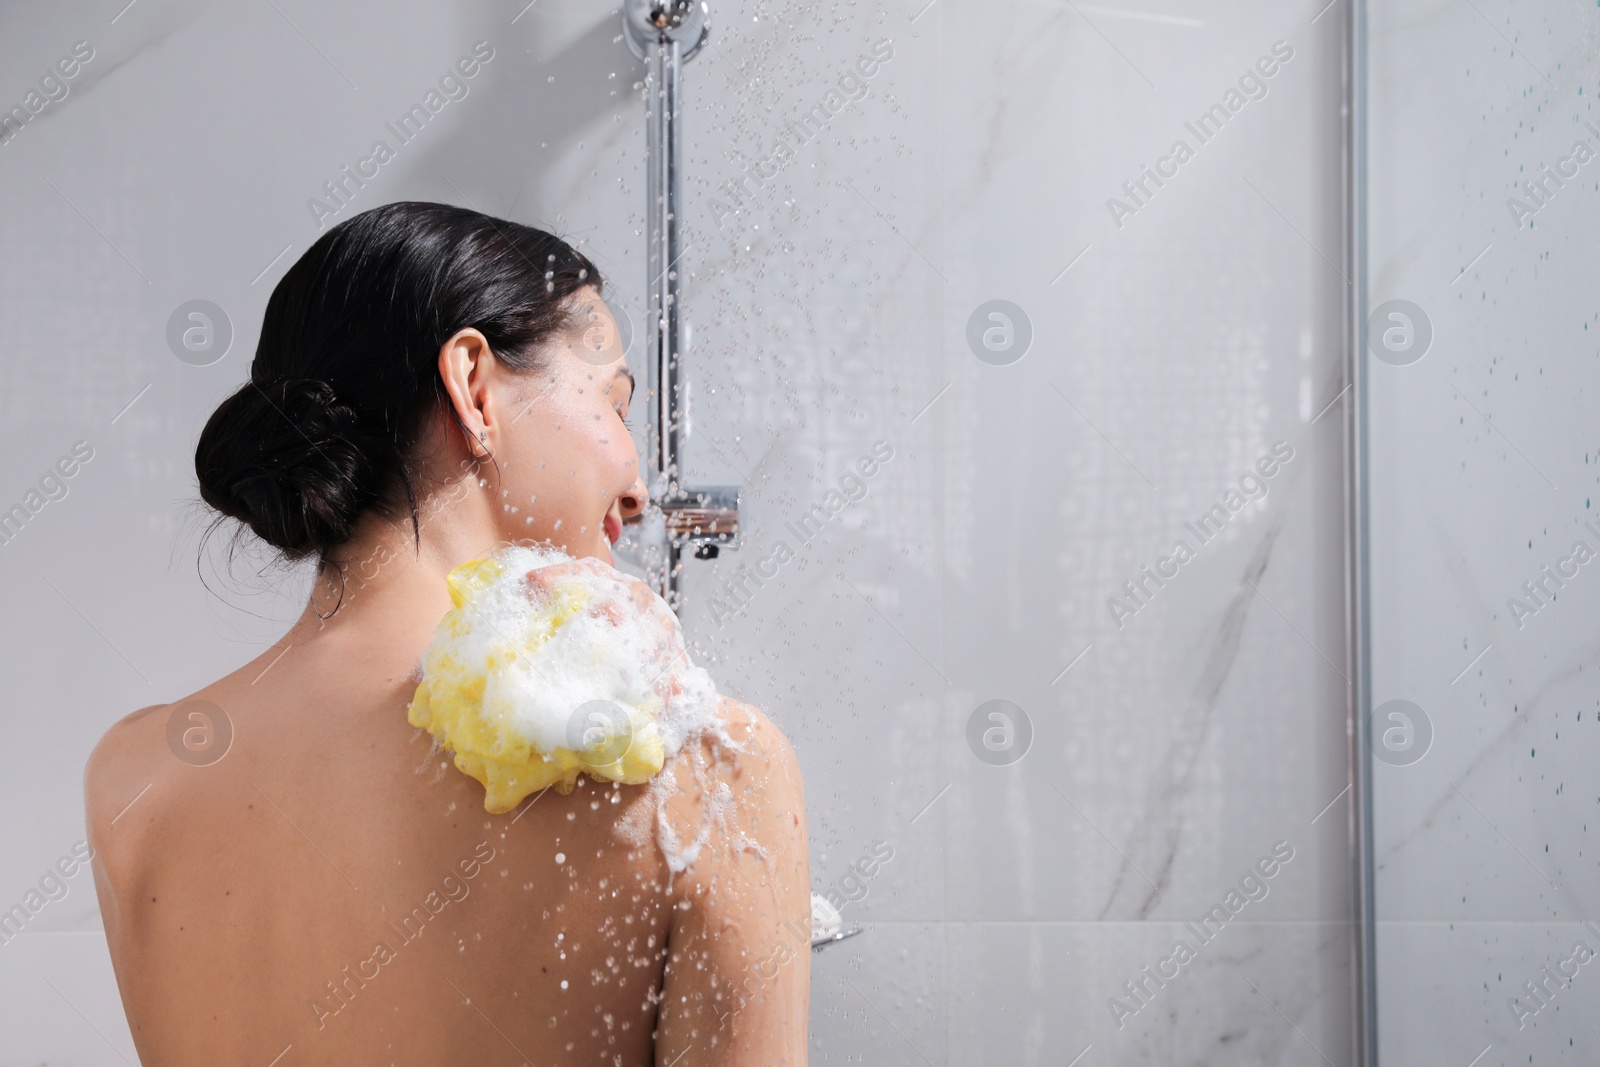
pixel 666 34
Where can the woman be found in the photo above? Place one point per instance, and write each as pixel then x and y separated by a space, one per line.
pixel 324 886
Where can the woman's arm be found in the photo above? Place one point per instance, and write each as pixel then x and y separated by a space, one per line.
pixel 737 985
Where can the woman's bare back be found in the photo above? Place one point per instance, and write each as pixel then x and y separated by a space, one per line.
pixel 431 385
pixel 331 891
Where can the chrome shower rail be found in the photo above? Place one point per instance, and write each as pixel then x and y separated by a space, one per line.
pixel 666 34
pixel 1358 630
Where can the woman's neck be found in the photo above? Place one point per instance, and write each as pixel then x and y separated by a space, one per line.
pixel 383 592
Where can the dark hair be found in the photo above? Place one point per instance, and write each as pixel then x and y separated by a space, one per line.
pixel 347 365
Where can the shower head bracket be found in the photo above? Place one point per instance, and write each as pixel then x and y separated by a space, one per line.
pixel 648 23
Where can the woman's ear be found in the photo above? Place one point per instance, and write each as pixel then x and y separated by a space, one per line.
pixel 466 365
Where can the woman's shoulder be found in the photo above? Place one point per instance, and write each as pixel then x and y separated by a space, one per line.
pixel 743 799
pixel 743 773
pixel 128 749
pixel 752 744
pixel 137 769
pixel 747 723
pixel 121 773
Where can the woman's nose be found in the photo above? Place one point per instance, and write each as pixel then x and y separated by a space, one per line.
pixel 634 500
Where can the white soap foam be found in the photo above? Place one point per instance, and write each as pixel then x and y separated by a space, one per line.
pixel 826 921
pixel 718 807
pixel 610 651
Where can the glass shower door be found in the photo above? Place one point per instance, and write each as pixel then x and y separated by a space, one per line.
pixel 1483 599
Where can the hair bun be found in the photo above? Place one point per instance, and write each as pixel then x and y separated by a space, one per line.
pixel 368 307
pixel 287 457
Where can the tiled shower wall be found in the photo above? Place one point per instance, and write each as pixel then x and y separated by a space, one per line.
pixel 1166 341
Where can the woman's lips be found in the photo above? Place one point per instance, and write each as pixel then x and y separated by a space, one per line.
pixel 613 528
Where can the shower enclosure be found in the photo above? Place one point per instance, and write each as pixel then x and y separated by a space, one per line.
pixel 1476 336
pixel 1134 451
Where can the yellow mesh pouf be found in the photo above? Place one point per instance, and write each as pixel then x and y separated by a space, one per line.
pixel 531 681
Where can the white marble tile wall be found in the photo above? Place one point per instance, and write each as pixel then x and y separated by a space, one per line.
pixel 1176 341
